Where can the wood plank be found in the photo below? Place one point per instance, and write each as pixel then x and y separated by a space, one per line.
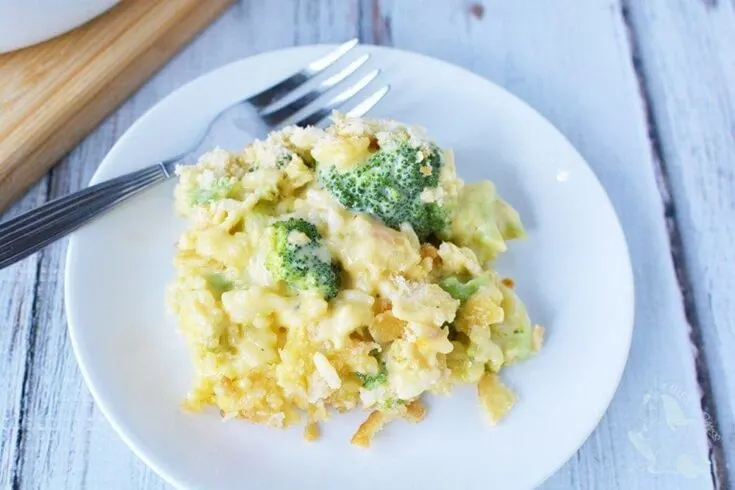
pixel 56 92
pixel 61 427
pixel 538 50
pixel 66 441
pixel 580 75
pixel 17 304
pixel 686 58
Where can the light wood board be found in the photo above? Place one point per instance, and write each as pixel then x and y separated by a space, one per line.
pixel 54 93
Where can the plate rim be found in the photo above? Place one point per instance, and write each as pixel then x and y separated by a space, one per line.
pixel 627 274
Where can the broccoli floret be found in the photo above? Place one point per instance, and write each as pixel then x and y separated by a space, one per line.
pixel 462 290
pixel 389 186
pixel 284 159
pixel 220 189
pixel 392 404
pixel 299 258
pixel 371 381
pixel 218 284
pixel 483 221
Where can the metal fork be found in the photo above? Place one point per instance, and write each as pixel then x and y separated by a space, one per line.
pixel 256 116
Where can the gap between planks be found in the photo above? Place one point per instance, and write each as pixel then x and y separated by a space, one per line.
pixel 374 26
pixel 718 470
pixel 492 54
pixel 16 477
pixel 29 469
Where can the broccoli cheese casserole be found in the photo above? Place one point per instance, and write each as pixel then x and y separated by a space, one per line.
pixel 346 268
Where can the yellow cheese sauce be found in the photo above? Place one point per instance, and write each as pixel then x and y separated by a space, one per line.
pixel 346 268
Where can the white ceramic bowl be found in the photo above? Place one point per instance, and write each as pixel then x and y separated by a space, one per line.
pixel 27 22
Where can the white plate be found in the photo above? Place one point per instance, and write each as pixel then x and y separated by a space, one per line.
pixel 23 23
pixel 573 272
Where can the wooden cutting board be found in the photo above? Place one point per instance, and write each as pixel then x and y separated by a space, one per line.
pixel 53 94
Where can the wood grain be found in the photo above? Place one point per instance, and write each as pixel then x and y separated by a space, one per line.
pixel 688 68
pixel 66 442
pixel 54 93
pixel 17 297
pixel 582 75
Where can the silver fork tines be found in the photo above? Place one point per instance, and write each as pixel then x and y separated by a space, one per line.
pixel 338 100
pixel 273 94
pixel 29 232
pixel 276 116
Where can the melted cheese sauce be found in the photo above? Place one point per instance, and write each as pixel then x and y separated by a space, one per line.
pixel 264 352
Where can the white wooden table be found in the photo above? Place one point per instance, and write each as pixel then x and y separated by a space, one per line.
pixel 645 89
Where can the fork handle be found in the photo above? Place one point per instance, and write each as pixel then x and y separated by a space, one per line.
pixel 31 231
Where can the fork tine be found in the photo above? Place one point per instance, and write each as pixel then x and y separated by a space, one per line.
pixel 323 63
pixel 275 117
pixel 338 100
pixel 363 107
pixel 287 85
